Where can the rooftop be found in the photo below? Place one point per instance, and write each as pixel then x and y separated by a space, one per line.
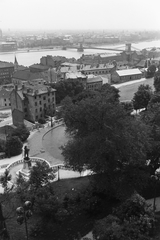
pixel 92 79
pixel 6 64
pixel 75 75
pixel 127 72
pixel 39 66
pixel 4 93
pixel 27 75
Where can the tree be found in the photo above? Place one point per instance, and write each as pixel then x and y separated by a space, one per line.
pixel 151 71
pixel 41 175
pixel 157 80
pixel 22 132
pixel 110 92
pixel 13 146
pixel 152 118
pixel 67 88
pixel 103 137
pixel 133 219
pixel 142 97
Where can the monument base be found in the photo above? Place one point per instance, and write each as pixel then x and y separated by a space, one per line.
pixel 26 170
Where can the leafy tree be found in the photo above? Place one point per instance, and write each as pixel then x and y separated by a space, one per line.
pixel 22 132
pixel 103 137
pixel 157 80
pixel 142 97
pixel 151 71
pixel 41 175
pixel 133 219
pixel 110 92
pixel 85 94
pixel 128 107
pixel 152 118
pixel 13 146
pixel 67 88
pixel 6 205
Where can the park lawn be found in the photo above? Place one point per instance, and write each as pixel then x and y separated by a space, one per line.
pixel 127 92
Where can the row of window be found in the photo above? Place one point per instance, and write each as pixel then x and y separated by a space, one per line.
pixel 40 102
pixel 44 97
pixel 99 72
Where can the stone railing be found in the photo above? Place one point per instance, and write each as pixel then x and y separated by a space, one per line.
pixel 33 159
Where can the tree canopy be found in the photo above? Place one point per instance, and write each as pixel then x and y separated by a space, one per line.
pixel 157 80
pixel 22 132
pixel 67 88
pixel 103 137
pixel 13 146
pixel 142 97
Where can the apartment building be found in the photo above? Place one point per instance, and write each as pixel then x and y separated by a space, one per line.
pixel 31 101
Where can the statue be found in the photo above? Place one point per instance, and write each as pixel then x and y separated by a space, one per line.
pixel 27 162
pixel 26 153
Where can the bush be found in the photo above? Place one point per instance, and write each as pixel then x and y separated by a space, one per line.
pixel 13 146
pixel 42 121
pixel 133 219
pixel 22 132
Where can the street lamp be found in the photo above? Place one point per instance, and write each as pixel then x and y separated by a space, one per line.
pixel 23 214
pixel 156 178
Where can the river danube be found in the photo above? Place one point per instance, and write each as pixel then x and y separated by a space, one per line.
pixel 31 57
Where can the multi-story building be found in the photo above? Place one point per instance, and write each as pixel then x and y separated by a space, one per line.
pixel 8 46
pixel 5 98
pixel 6 72
pixel 94 82
pixel 31 102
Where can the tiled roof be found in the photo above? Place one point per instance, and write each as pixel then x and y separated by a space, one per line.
pixel 96 67
pixel 127 72
pixel 39 66
pixel 4 93
pixel 75 75
pixel 94 79
pixel 27 75
pixel 6 64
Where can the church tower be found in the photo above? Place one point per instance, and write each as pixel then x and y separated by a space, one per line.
pixel 15 64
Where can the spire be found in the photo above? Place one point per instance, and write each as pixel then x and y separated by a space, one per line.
pixel 15 61
pixel 15 64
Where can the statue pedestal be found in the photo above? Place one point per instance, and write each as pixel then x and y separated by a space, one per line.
pixel 26 170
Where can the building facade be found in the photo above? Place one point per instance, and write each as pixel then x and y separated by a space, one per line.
pixel 126 75
pixel 31 102
pixel 6 72
pixel 94 82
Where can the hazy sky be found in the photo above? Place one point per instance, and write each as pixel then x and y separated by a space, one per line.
pixel 80 14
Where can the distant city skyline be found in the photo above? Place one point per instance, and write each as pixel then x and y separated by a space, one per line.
pixel 79 14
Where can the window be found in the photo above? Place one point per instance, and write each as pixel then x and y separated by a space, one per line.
pixel 41 115
pixel 53 99
pixel 36 117
pixel 35 97
pixel 35 103
pixel 45 105
pixel 44 98
pixel 5 104
pixel 52 93
pixel 4 99
pixel 9 104
pixel 40 109
pixel 40 102
pixel 25 109
pixel 48 99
